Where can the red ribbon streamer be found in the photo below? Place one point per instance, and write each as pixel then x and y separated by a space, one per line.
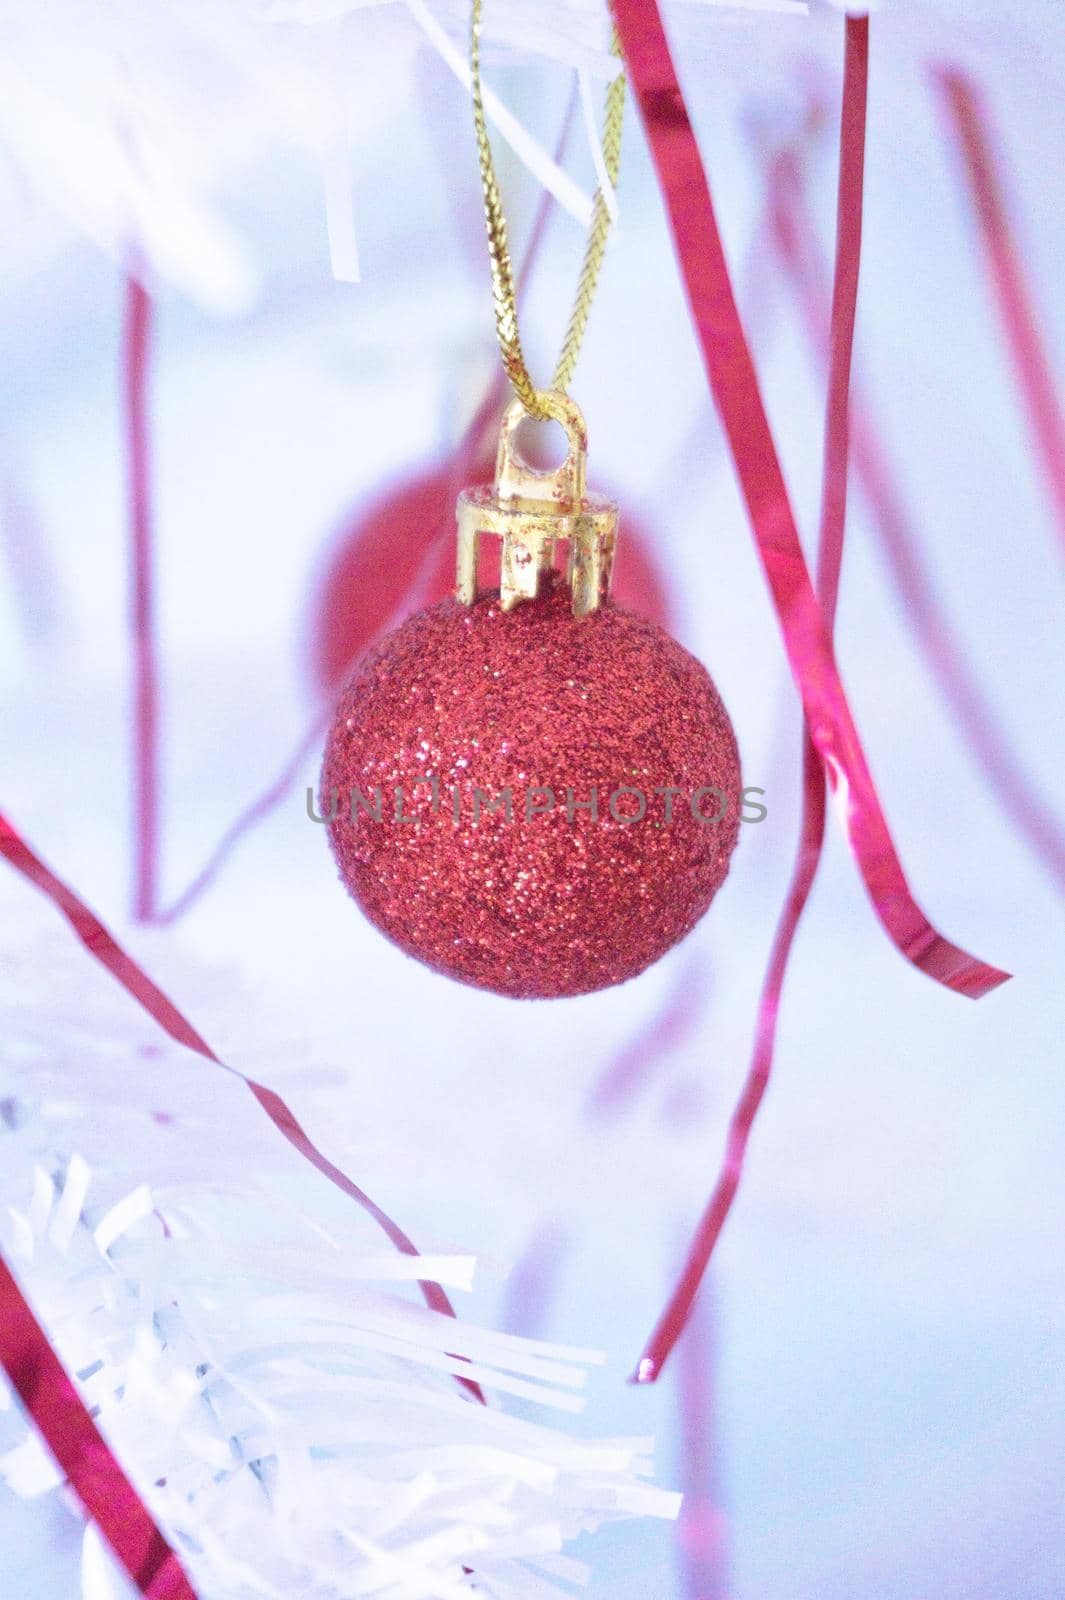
pixel 970 124
pixel 82 1451
pixel 632 1066
pixel 734 385
pixel 812 830
pixel 101 944
pixel 796 243
pixel 135 360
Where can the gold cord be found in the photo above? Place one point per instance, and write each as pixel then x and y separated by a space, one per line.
pixel 503 294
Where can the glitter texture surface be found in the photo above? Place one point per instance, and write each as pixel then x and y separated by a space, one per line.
pixel 552 901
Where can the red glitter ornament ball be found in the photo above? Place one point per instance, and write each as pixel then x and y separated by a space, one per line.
pixel 532 802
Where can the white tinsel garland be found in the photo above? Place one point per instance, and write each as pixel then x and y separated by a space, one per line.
pixel 295 1426
pixel 127 122
pixel 137 124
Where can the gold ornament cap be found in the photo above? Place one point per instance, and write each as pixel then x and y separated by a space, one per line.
pixel 532 511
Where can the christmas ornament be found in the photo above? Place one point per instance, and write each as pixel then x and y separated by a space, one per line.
pixel 532 789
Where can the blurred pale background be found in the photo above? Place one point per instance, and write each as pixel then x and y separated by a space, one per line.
pixel 874 1384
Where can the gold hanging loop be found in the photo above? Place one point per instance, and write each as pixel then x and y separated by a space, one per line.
pixel 533 511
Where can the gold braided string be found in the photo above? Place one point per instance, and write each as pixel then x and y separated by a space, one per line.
pixel 503 293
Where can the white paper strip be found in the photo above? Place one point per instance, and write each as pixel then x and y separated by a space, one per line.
pixel 595 144
pixel 121 1217
pixel 570 196
pixel 340 207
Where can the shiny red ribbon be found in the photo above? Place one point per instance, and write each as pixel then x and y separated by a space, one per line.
pixel 136 362
pixel 794 236
pixel 970 124
pixel 812 830
pixel 83 1453
pixel 734 385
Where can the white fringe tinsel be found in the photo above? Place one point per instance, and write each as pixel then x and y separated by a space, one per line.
pixel 137 125
pixel 255 1352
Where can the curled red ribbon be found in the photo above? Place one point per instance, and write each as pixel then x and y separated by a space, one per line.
pixel 970 124
pixel 83 1453
pixel 734 385
pixel 812 829
pixel 796 243
pixel 136 352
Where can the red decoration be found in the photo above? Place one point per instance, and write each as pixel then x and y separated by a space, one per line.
pixel 737 396
pixel 82 1452
pixel 975 719
pixel 379 559
pixel 1005 260
pixel 136 373
pixel 464 706
pixel 674 1317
